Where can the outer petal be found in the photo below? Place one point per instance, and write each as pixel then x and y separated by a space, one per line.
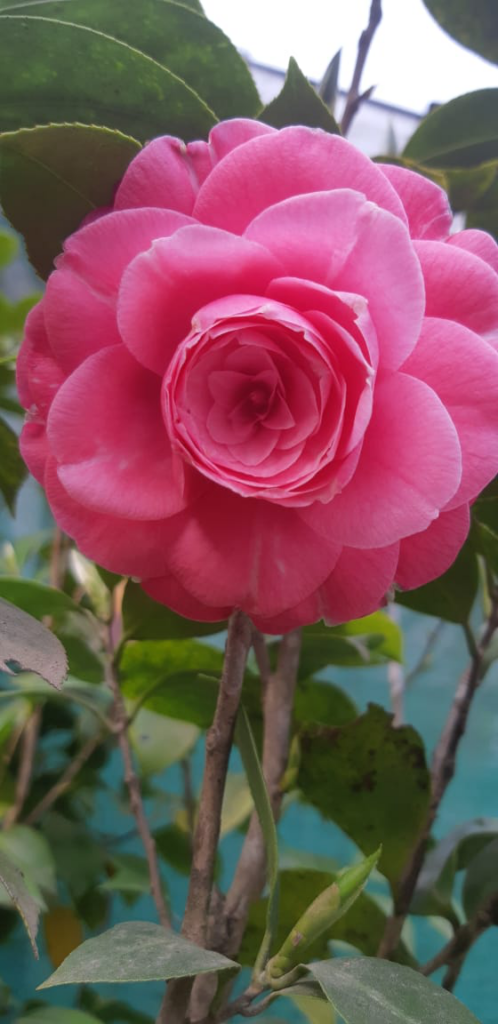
pixel 106 430
pixel 33 445
pixel 38 375
pixel 403 477
pixel 80 310
pixel 167 590
pixel 287 163
pixel 479 243
pixel 426 204
pixel 229 551
pixel 463 370
pixel 357 586
pixel 341 241
pixel 168 173
pixel 130 547
pixel 460 286
pixel 163 288
pixel 426 555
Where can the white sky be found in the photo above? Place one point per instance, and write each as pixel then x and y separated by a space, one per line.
pixel 412 61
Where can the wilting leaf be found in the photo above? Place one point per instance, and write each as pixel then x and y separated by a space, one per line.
pixel 28 646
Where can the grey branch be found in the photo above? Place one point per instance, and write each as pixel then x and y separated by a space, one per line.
pixel 354 97
pixel 453 954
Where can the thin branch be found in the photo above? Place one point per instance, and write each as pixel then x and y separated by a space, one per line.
pixel 65 781
pixel 219 742
pixel 29 742
pixel 262 658
pixel 354 97
pixel 453 954
pixel 443 770
pixel 421 662
pixel 132 782
pixel 249 876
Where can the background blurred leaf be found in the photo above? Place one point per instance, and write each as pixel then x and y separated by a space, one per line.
pixel 461 133
pixel 298 103
pixel 481 879
pixel 75 74
pixel 178 37
pixel 372 780
pixel 12 469
pixel 9 247
pixel 14 885
pixel 474 25
pixel 433 894
pixel 63 932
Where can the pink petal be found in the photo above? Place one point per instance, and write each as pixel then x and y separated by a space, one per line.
pixel 463 370
pixel 106 430
pixel 287 163
pixel 426 555
pixel 163 288
pixel 426 204
pixel 168 173
pixel 38 374
pixel 167 590
pixel 403 477
pixel 479 243
pixel 459 286
pixel 231 552
pixel 357 586
pixel 130 547
pixel 80 322
pixel 33 446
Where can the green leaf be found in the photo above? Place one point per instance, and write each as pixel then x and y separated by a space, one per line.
pixel 179 39
pixel 159 741
pixel 35 598
pixel 13 882
pixel 175 848
pixel 481 879
pixel 136 951
pixel 372 991
pixel 130 876
pixel 450 597
pixel 28 849
pixel 56 1015
pixel 318 703
pixel 125 90
pixel 238 803
pixel 362 927
pixel 372 780
pixel 26 645
pixel 298 103
pixel 9 247
pixel 167 674
pixel 54 176
pixel 473 25
pixel 315 1011
pixel 79 859
pixel 257 785
pixel 369 641
pixel 433 894
pixel 461 133
pixel 12 468
pixel 145 619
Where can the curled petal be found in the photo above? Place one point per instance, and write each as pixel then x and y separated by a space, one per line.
pixel 426 204
pixel 460 286
pixel 426 555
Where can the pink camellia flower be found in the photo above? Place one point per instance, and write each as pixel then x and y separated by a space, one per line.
pixel 266 379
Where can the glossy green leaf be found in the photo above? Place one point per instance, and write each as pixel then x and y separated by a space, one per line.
pixel 298 103
pixel 450 597
pixel 474 25
pixel 461 133
pixel 369 641
pixel 12 469
pixel 371 991
pixel 26 645
pixel 468 186
pixel 53 176
pixel 165 676
pixel 259 792
pixel 126 90
pixel 145 619
pixel 9 247
pixel 178 38
pixel 481 879
pixel 484 212
pixel 56 1015
pixel 12 881
pixel 372 780
pixel 362 927
pixel 136 951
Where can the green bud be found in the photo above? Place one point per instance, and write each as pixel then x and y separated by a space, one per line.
pixel 327 908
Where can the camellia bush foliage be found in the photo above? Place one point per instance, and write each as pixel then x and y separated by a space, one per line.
pixel 260 394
